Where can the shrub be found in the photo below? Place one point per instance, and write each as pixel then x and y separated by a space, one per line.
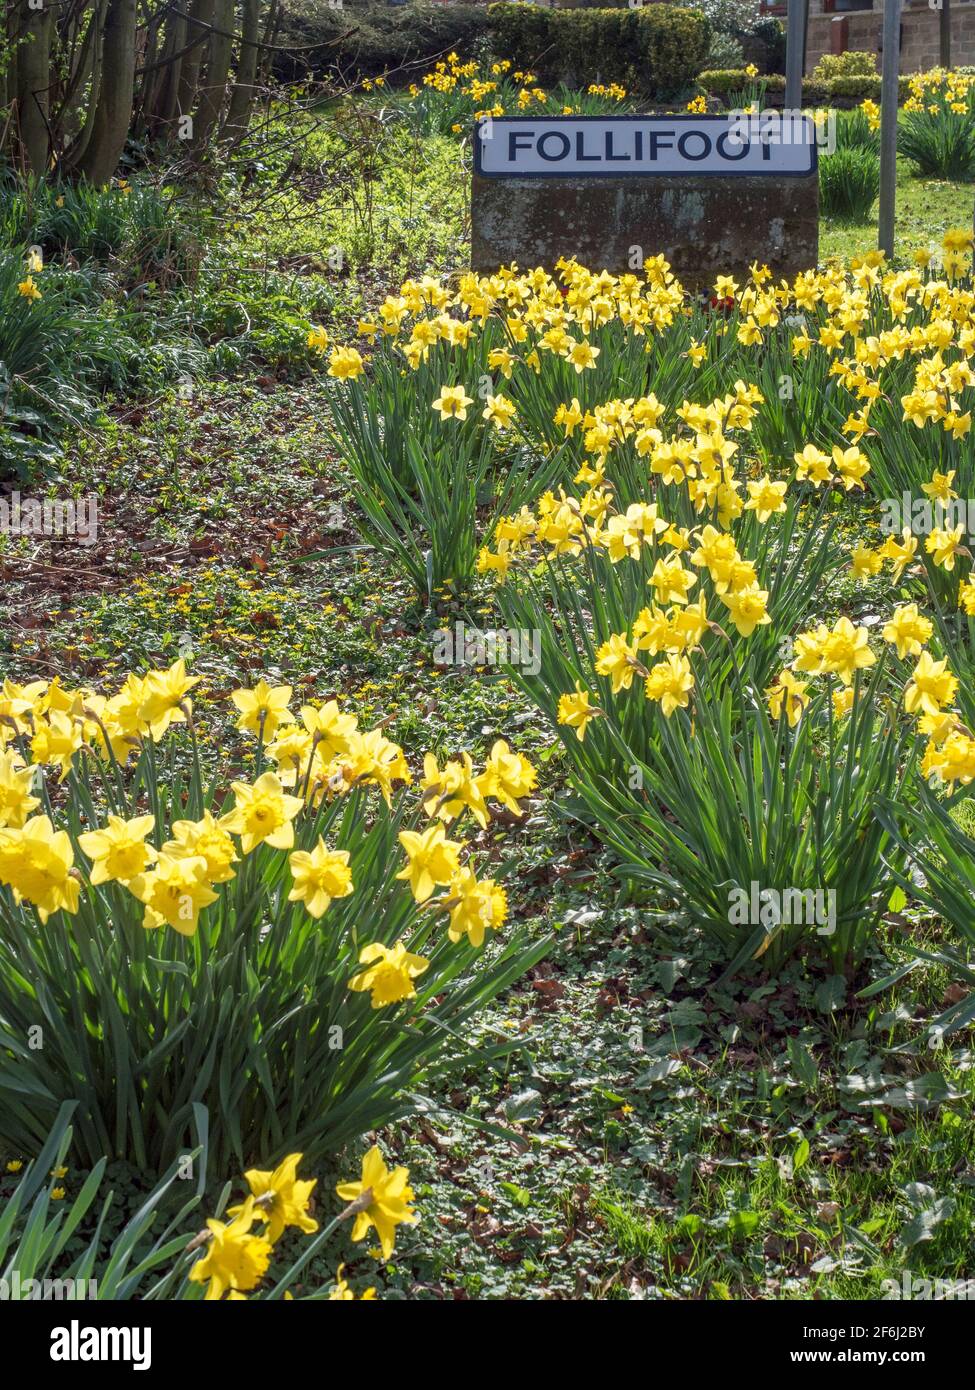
pixel 720 82
pixel 383 40
pixel 850 89
pixel 813 93
pixel 730 16
pixel 737 88
pixel 853 63
pixel 657 50
pixel 854 88
pixel 724 82
pixel 185 945
pixel 739 28
pixel 849 182
pixel 770 32
pixel 725 52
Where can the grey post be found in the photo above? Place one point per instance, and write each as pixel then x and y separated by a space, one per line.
pixel 795 53
pixel 944 33
pixel 888 123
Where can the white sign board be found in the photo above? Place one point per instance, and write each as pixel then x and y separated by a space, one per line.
pixel 611 146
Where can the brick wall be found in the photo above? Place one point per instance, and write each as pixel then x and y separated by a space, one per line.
pixel 920 48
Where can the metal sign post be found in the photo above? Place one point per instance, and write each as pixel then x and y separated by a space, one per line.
pixel 944 33
pixel 888 124
pixel 795 52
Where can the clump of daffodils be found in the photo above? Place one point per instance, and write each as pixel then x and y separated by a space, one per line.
pixel 697 454
pixel 316 755
pixel 941 89
pixel 859 325
pixel 470 91
pixel 237 1253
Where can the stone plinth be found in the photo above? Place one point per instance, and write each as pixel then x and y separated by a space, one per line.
pixel 704 226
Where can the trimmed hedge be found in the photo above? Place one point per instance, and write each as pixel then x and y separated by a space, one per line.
pixel 721 82
pixel 657 51
pixel 859 88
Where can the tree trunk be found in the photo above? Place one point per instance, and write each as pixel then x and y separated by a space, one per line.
pixel 270 35
pixel 33 83
pixel 163 101
pixel 213 92
pixel 76 150
pixel 114 110
pixel 189 77
pixel 245 86
pixel 146 80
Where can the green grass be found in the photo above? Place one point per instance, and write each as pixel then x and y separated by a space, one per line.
pixel 925 209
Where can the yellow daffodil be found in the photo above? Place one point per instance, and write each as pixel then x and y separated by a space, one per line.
pixel 475 905
pixel 204 839
pixel 908 630
pixel 345 364
pixel 865 562
pixel 577 710
pixel 119 852
pixel 747 608
pixel 499 410
pixel 320 875
pixel 670 682
pixel 433 860
pixel 943 545
pixel 845 651
pixel 389 1199
pixel 16 799
pixel 813 466
pixel 452 403
pixel 506 777
pixel 447 791
pixel 264 709
pixel 931 687
pixel 263 814
pixel 175 891
pixel 37 863
pixel 617 659
pixel 164 698
pixel 787 696
pixel 236 1259
pixel 279 1198
pixel 389 973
